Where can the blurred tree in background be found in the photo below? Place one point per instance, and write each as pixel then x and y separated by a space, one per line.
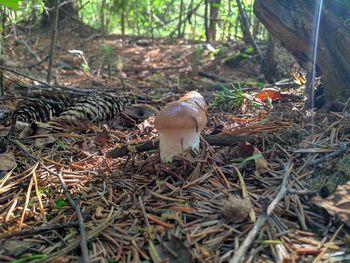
pixel 210 20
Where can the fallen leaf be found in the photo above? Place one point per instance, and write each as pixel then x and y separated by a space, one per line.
pixel 17 247
pixel 261 165
pixel 7 161
pixel 44 142
pixel 102 138
pixel 337 204
pixel 174 251
pixel 236 209
pixel 269 93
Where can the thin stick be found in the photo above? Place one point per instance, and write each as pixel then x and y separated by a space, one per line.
pixel 83 238
pixel 42 209
pixel 36 230
pixel 262 219
pixel 29 190
pixel 319 256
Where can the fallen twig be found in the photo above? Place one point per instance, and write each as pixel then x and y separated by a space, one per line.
pixel 83 237
pixel 340 151
pixel 214 140
pixel 36 230
pixel 250 238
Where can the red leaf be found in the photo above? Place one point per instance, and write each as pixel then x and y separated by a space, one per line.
pixel 273 94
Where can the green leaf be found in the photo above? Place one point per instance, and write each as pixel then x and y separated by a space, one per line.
pixel 59 203
pixel 10 4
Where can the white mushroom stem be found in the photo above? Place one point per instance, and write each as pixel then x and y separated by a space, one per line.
pixel 173 142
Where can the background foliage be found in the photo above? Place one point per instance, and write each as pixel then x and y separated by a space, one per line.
pixel 155 18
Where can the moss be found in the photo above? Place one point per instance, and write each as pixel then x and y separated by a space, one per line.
pixel 243 55
pixel 326 181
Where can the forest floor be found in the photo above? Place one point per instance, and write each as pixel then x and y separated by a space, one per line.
pixel 265 171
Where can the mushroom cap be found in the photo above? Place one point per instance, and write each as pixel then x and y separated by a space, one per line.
pixel 190 111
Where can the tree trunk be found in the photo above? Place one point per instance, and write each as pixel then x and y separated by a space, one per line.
pixel 206 26
pixel 245 28
pixel 292 22
pixel 67 10
pixel 122 23
pixel 214 12
pixel 180 19
pixel 102 17
pixel 269 64
pixel 53 42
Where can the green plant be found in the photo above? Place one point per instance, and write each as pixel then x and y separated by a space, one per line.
pixel 13 4
pixel 59 203
pixel 229 99
pixel 86 67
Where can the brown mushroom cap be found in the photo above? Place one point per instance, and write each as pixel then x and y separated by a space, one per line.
pixel 189 112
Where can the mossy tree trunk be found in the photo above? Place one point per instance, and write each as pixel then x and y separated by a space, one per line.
pixel 293 23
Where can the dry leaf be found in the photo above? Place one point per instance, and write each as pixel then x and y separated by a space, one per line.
pixel 338 203
pixel 236 209
pixel 261 165
pixel 7 161
pixel 44 142
pixel 273 94
pixel 175 245
pixel 102 138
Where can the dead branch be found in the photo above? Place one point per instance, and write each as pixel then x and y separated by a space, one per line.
pixel 250 238
pixel 340 151
pixel 37 230
pixel 214 140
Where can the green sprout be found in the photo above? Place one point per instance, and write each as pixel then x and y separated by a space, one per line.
pixel 229 99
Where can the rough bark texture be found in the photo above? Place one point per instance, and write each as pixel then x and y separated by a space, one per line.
pixel 293 22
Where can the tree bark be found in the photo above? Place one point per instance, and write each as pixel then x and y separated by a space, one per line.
pixel 269 64
pixel 214 12
pixel 245 28
pixel 206 26
pixel 67 10
pixel 102 17
pixel 53 42
pixel 180 19
pixel 293 23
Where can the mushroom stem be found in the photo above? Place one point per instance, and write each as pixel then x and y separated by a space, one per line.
pixel 173 142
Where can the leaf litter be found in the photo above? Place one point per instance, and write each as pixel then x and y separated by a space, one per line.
pixel 135 209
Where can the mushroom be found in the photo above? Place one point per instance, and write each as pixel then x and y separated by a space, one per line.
pixel 179 125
